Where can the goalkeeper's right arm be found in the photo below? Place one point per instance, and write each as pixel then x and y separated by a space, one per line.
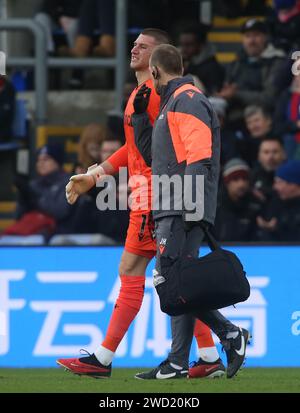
pixel 82 183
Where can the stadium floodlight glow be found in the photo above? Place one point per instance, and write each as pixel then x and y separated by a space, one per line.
pixel 2 63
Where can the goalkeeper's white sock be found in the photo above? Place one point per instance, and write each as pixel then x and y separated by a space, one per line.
pixel 104 356
pixel 208 354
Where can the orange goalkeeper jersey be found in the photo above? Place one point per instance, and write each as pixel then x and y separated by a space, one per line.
pixel 129 155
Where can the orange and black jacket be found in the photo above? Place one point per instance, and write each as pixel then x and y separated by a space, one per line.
pixel 186 142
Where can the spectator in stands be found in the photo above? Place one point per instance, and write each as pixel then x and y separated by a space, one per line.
pixel 97 17
pixel 59 14
pixel 228 137
pixel 7 109
pixel 284 76
pixel 237 209
pixel 45 196
pixel 111 223
pixel 109 146
pixel 96 144
pixel 199 57
pixel 258 122
pixel 287 118
pixel 284 24
pixel 250 79
pixel 90 144
pixel 271 155
pixel 281 220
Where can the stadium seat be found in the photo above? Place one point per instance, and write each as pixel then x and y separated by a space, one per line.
pixel 22 240
pixel 81 239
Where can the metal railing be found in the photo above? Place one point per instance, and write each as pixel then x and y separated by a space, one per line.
pixel 40 62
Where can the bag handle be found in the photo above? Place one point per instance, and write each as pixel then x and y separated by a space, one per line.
pixel 212 242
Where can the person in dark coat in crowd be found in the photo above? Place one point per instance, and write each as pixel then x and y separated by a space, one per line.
pixel 258 121
pixel 112 223
pixel 46 192
pixel 199 57
pixel 271 155
pixel 234 142
pixel 281 219
pixel 237 207
pixel 244 142
pixel 250 78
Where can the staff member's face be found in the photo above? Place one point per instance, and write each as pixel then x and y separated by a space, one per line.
pixel 141 52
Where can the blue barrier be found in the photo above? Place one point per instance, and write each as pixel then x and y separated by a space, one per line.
pixel 56 300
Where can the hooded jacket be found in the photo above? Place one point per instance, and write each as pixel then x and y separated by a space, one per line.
pixel 185 143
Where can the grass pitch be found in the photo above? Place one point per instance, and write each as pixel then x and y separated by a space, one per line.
pixel 56 380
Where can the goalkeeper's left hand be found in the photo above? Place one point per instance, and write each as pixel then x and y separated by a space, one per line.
pixel 141 100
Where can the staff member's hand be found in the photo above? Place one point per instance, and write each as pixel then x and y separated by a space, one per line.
pixel 141 100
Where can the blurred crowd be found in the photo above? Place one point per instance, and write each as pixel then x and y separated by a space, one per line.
pixel 256 97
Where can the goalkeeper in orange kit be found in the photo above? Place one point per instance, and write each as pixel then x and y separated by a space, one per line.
pixel 140 246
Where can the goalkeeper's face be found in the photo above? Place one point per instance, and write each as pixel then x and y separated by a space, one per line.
pixel 141 52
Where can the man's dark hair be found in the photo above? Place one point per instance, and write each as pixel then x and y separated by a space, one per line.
pixel 272 138
pixel 160 36
pixel 198 30
pixel 168 58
